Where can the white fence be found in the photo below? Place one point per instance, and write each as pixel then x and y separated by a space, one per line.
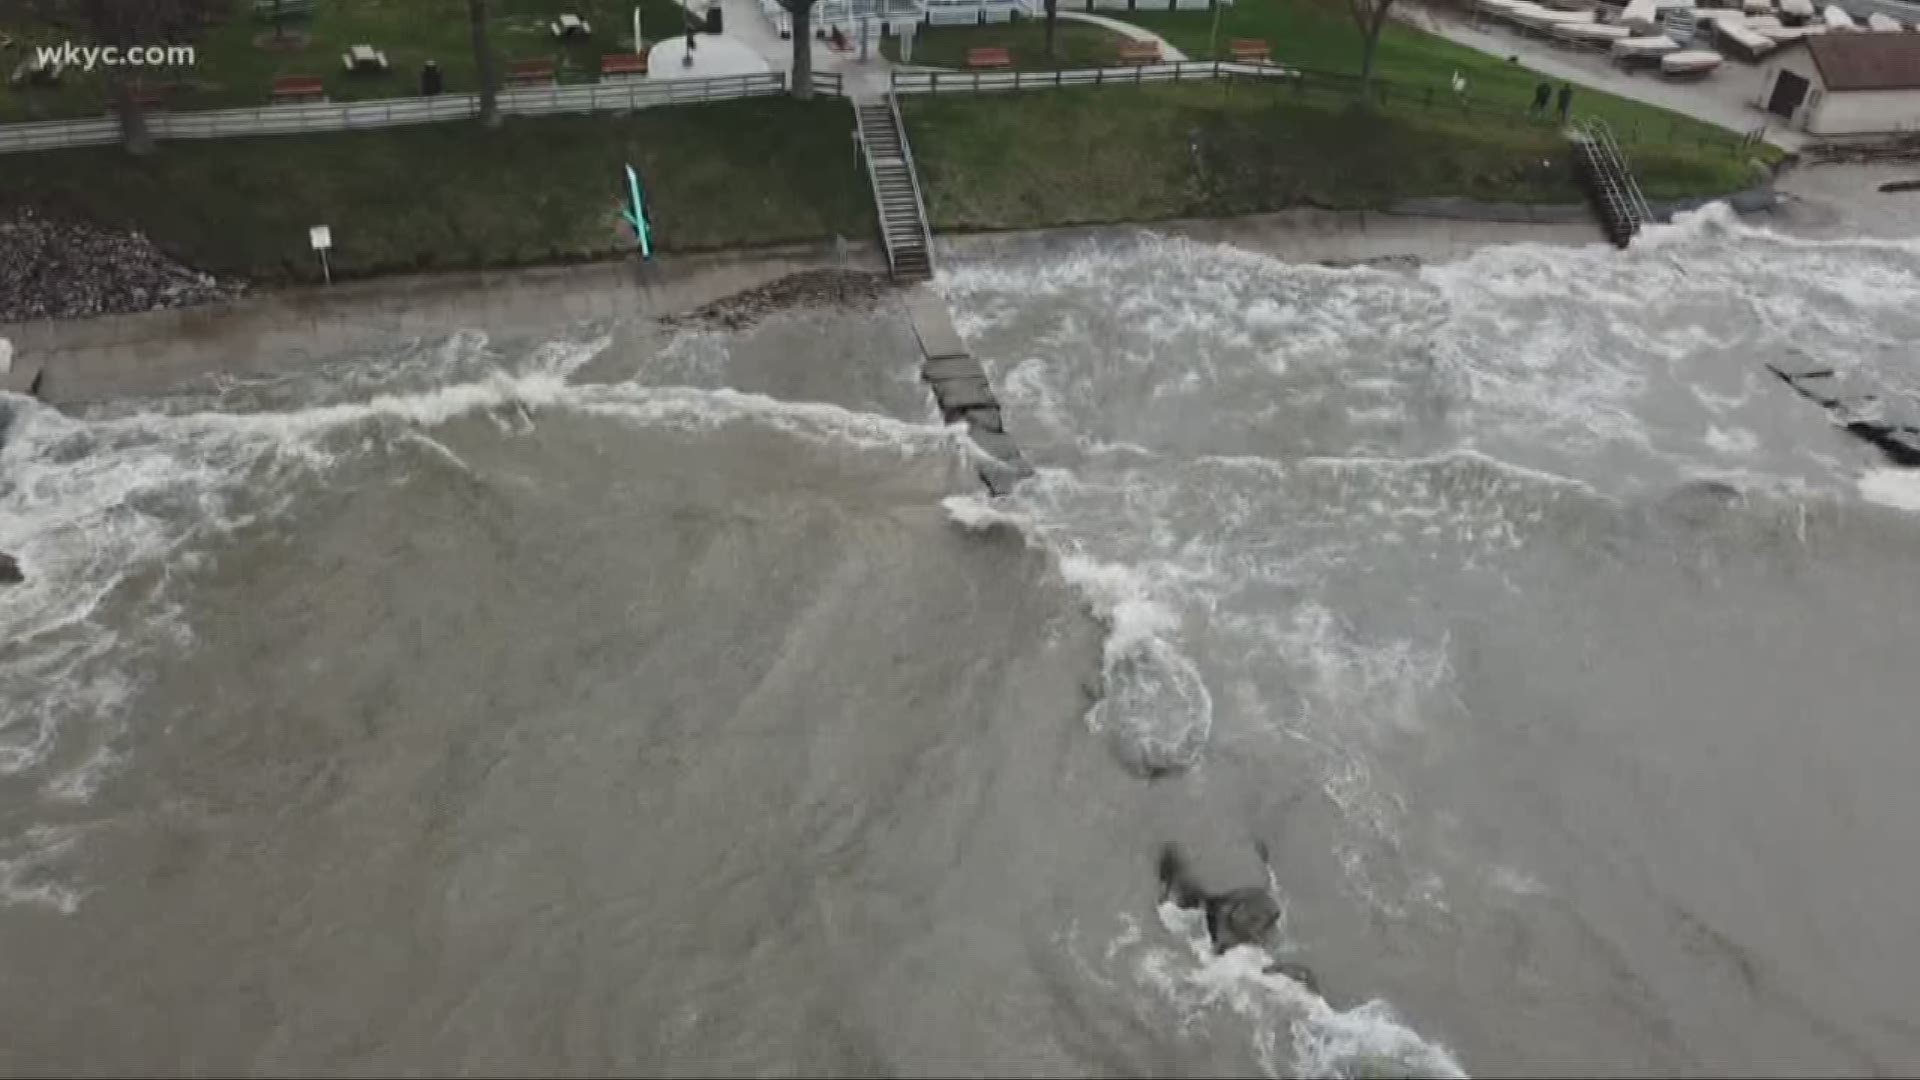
pixel 938 82
pixel 620 96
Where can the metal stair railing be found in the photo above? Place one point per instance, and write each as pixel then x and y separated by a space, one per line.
pixel 913 178
pixel 1612 175
pixel 873 179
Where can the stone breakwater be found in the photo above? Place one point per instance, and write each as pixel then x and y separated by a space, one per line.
pixel 808 288
pixel 52 269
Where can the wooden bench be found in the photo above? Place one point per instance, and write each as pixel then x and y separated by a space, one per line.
pixel 148 97
pixel 530 73
pixel 267 9
pixel 613 65
pixel 1250 50
pixel 1139 52
pixel 295 88
pixel 989 58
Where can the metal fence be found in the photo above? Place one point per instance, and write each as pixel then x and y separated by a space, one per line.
pixel 1303 82
pixel 611 96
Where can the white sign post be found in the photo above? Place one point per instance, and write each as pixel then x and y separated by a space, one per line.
pixel 637 47
pixel 322 240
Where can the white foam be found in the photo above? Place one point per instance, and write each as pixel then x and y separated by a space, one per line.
pixel 30 865
pixel 1898 488
pixel 1367 1040
pixel 90 504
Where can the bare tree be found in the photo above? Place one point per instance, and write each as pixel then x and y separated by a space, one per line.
pixel 802 13
pixel 125 24
pixel 1371 17
pixel 483 64
pixel 1053 12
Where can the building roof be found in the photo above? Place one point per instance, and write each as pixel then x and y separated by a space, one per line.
pixel 1857 61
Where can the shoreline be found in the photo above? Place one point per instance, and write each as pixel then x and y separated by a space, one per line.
pixel 268 332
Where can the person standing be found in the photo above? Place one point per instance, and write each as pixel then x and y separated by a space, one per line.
pixel 1542 93
pixel 1566 100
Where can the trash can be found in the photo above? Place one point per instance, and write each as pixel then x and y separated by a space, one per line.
pixel 713 18
pixel 431 79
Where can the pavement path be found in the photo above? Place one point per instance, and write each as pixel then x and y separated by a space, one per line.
pixel 1721 99
pixel 1138 33
pixel 748 26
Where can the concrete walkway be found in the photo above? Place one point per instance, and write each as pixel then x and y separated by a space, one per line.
pixel 713 55
pixel 1723 98
pixel 744 23
pixel 1137 33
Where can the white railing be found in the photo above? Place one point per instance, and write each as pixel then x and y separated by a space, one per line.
pixel 620 96
pixel 936 82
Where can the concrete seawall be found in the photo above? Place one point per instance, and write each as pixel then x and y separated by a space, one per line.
pixel 86 360
pixel 91 359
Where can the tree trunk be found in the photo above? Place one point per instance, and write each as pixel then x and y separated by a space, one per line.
pixel 483 64
pixel 134 134
pixel 802 13
pixel 1376 21
pixel 1053 10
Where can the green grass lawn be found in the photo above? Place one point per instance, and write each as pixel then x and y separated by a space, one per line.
pixel 1320 35
pixel 1076 44
pixel 437 196
pixel 1113 154
pixel 233 70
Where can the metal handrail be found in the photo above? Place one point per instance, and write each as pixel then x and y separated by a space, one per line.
pixel 873 181
pixel 1615 159
pixel 913 177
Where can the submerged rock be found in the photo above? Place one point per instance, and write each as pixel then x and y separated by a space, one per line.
pixel 10 570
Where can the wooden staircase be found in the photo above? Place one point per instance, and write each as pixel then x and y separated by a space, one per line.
pixel 896 189
pixel 1609 181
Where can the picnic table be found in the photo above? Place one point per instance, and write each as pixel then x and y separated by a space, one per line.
pixel 1250 50
pixel 296 88
pixel 530 72
pixel 992 57
pixel 364 58
pixel 571 26
pixel 617 64
pixel 1139 52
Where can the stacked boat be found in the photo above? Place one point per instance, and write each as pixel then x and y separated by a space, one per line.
pixel 1884 24
pixel 1648 47
pixel 1591 33
pixel 1689 63
pixel 1743 38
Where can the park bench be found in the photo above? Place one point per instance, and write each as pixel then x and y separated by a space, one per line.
pixel 1139 52
pixel 613 65
pixel 989 58
pixel 271 9
pixel 530 73
pixel 1250 50
pixel 296 88
pixel 146 96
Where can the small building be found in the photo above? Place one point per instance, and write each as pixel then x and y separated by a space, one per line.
pixel 1847 84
